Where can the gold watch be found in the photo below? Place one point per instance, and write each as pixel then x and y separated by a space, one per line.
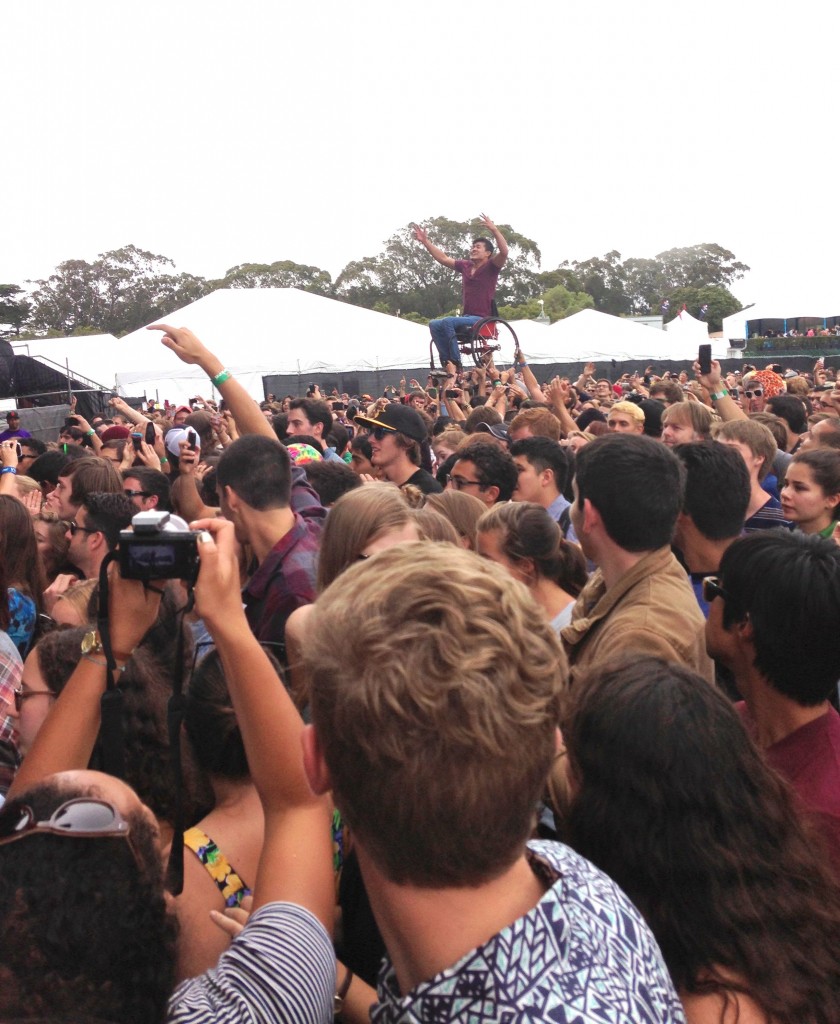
pixel 91 644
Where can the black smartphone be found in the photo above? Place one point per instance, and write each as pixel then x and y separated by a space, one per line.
pixel 150 433
pixel 192 439
pixel 704 358
pixel 136 440
pixel 451 394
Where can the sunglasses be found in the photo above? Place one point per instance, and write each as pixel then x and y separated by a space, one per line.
pixel 21 695
pixel 379 432
pixel 74 528
pixel 712 589
pixel 137 494
pixel 756 393
pixel 80 818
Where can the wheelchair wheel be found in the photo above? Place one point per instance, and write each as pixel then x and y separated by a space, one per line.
pixel 485 338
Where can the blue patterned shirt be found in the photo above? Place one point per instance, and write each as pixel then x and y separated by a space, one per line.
pixel 583 955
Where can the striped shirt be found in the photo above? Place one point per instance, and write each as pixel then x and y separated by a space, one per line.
pixel 280 968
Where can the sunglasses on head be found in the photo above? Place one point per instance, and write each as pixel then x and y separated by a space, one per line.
pixel 712 589
pixel 80 818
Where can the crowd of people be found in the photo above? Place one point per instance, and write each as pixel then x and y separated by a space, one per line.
pixel 494 699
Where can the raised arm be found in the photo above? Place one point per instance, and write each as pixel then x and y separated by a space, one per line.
pixel 124 409
pixel 296 860
pixel 724 404
pixel 501 256
pixel 188 348
pixel 65 741
pixel 432 249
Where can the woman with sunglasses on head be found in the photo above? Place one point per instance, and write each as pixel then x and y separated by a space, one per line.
pixel 145 691
pixel 83 902
pixel 670 797
pixel 811 494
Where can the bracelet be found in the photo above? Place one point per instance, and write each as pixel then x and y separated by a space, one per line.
pixel 221 377
pixel 102 664
pixel 341 995
pixel 8 469
pixel 163 459
pixel 89 433
pixel 719 394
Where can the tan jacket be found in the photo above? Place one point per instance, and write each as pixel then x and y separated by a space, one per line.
pixel 651 609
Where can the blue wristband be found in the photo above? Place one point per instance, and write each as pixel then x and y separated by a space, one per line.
pixel 8 469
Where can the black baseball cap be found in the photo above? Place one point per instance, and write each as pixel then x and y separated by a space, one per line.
pixel 398 418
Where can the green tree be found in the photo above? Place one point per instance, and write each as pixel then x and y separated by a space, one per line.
pixel 721 303
pixel 405 277
pixel 601 277
pixel 281 274
pixel 645 285
pixel 14 309
pixel 529 310
pixel 560 302
pixel 117 293
pixel 698 266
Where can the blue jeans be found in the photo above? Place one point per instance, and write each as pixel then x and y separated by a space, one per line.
pixel 443 335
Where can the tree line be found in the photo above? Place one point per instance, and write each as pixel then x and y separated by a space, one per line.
pixel 127 288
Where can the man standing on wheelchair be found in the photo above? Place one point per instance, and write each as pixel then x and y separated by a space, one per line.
pixel 479 275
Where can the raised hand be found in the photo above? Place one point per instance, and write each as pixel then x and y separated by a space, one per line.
pixel 419 234
pixel 180 340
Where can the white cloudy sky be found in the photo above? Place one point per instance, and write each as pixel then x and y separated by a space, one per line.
pixel 256 131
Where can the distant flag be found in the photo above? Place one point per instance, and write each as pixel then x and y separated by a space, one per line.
pixel 666 305
pixel 704 310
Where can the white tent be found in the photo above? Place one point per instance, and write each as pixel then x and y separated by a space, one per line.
pixel 685 326
pixel 254 331
pixel 599 336
pixel 735 326
pixel 259 331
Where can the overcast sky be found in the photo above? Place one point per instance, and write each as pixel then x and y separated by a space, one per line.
pixel 217 134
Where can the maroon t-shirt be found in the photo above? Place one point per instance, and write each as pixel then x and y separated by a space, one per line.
pixel 809 758
pixel 478 288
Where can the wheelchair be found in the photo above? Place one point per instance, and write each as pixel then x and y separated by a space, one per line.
pixel 479 340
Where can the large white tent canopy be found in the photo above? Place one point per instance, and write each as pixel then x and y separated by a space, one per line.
pixel 260 331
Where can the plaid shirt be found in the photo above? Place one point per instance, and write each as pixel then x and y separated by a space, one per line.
pixel 285 580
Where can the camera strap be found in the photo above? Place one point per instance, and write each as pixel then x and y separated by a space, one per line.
pixel 175 720
pixel 112 728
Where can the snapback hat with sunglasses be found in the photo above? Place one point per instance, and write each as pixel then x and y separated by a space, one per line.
pixel 399 419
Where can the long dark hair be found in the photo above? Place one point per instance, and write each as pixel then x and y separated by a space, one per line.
pixel 675 803
pixel 19 549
